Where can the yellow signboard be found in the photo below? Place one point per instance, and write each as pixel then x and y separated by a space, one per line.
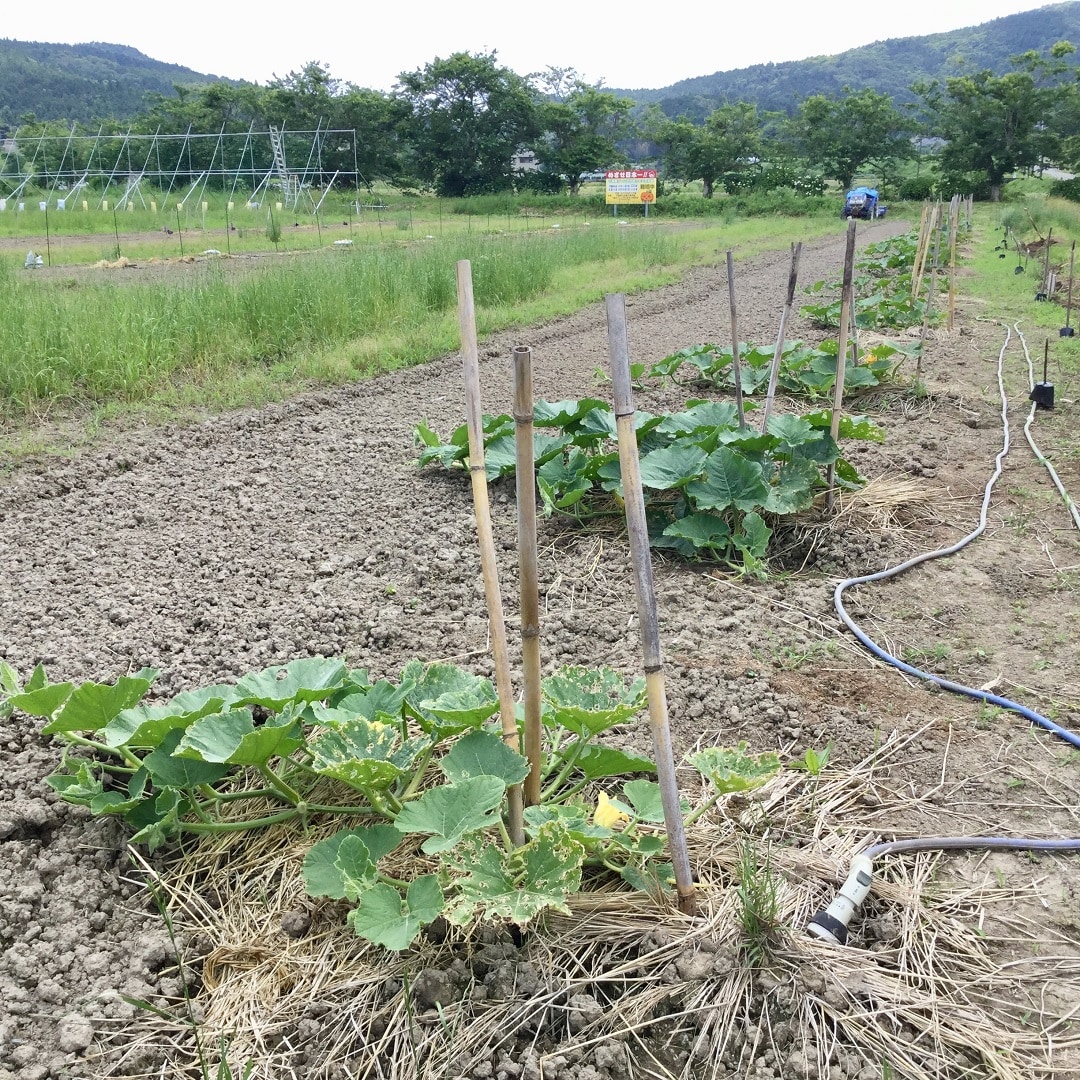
pixel 636 186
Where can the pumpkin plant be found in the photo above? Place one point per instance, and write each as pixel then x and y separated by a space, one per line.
pixel 415 767
pixel 710 486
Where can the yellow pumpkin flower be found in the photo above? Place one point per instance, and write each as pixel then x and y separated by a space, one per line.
pixel 607 814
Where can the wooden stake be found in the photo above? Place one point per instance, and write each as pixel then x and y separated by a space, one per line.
pixel 736 370
pixel 929 309
pixel 488 566
pixel 954 229
pixel 623 395
pixel 846 304
pixel 774 370
pixel 527 567
pixel 921 248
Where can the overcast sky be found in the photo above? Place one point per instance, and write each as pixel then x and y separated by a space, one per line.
pixel 629 45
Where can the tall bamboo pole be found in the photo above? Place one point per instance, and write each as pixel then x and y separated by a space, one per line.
pixel 634 500
pixel 846 303
pixel 774 370
pixel 736 369
pixel 929 309
pixel 488 566
pixel 527 567
pixel 921 248
pixel 954 229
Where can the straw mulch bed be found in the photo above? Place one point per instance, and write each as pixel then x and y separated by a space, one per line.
pixel 626 986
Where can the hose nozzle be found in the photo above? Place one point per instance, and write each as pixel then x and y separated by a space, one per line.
pixel 832 923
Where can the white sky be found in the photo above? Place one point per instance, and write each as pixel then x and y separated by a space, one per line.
pixel 631 45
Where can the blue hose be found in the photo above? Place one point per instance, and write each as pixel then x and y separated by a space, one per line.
pixel 1070 737
pixel 831 923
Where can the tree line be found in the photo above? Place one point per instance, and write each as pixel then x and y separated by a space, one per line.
pixel 455 126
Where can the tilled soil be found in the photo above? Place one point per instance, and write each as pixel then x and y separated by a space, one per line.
pixel 305 528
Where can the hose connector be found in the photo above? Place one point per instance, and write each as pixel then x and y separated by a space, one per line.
pixel 831 924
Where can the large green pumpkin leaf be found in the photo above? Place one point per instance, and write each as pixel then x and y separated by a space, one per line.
pixel 731 480
pixel 645 797
pixel 791 431
pixel 376 702
pixel 174 772
pixel 452 811
pixel 384 919
pixel 702 414
pixel 794 488
pixel 42 701
pixel 672 466
pixel 447 700
pixel 234 737
pixel 596 762
pixel 144 726
pixel 589 700
pixel 92 705
pixel 500 457
pixel 482 753
pixel 564 414
pixel 307 679
pixel 703 530
pixel 851 427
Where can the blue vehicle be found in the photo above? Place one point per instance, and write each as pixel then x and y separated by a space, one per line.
pixel 862 202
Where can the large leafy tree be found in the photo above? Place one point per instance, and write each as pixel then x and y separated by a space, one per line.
pixel 581 130
pixel 843 135
pixel 466 118
pixel 995 124
pixel 728 141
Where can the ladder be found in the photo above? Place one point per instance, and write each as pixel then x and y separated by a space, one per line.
pixel 290 185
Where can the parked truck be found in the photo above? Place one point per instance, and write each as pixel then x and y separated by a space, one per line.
pixel 862 202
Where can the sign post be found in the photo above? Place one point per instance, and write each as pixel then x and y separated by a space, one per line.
pixel 636 187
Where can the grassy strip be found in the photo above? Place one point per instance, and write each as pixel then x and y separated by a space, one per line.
pixel 1010 296
pixel 328 317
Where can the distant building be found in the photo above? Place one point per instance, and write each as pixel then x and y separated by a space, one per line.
pixel 525 161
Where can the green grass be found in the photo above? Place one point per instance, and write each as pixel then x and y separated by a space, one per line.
pixel 93 347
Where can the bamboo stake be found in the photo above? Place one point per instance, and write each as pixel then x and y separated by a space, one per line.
pixel 846 303
pixel 921 249
pixel 928 311
pixel 954 229
pixel 1067 330
pixel 736 369
pixel 478 475
pixel 774 370
pixel 527 567
pixel 623 395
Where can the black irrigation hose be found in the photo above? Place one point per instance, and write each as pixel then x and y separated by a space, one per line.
pixel 831 924
pixel 1070 737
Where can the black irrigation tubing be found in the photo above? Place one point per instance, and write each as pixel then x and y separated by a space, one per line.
pixel 1070 737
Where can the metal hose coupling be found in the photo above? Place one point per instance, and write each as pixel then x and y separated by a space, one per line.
pixel 831 924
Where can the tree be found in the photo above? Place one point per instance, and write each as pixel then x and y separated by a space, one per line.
pixel 843 136
pixel 467 116
pixel 580 132
pixel 995 124
pixel 728 141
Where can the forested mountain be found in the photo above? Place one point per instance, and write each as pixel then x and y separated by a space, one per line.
pixel 83 83
pixel 889 67
pixel 93 82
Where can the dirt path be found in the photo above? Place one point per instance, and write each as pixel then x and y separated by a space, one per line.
pixel 305 528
